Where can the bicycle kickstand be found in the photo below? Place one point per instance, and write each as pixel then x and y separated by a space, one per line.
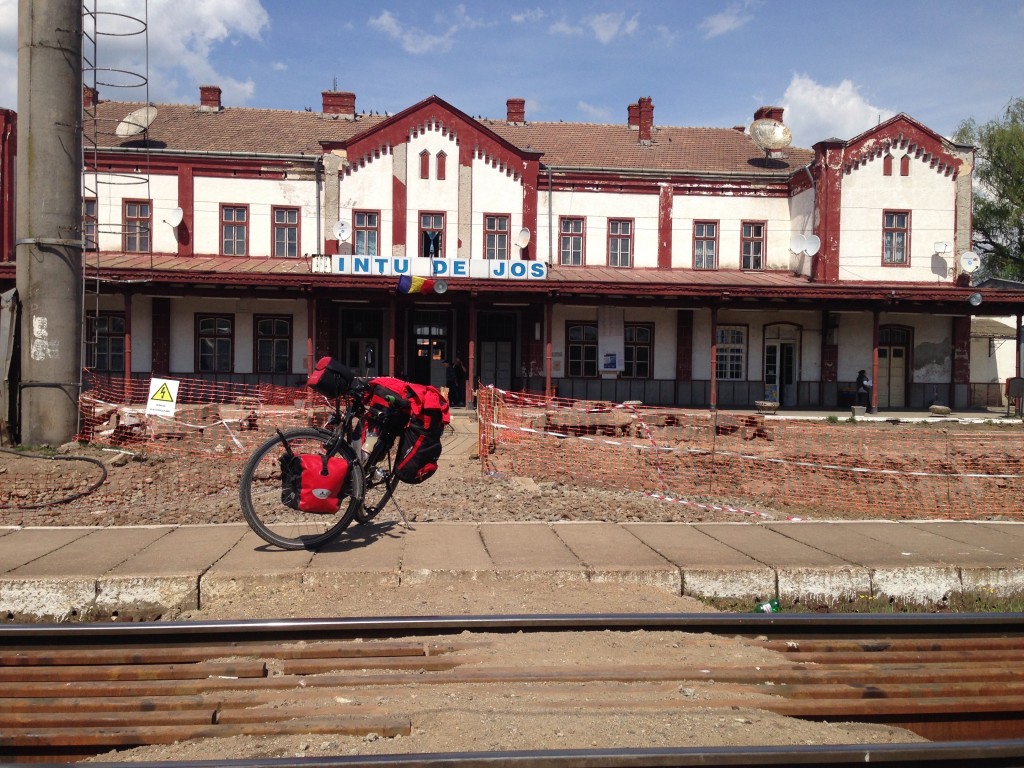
pixel 405 520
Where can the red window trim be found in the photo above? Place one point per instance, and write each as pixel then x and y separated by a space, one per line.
pixel 124 235
pixel 905 165
pixel 248 228
pixel 442 158
pixel 693 249
pixel 887 165
pixel 763 239
pixel 508 233
pixel 356 228
pixel 273 229
pixel 444 238
pixel 424 164
pixel 632 242
pixel 895 264
pixel 583 240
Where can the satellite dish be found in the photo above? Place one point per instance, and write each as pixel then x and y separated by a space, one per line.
pixel 770 135
pixel 440 286
pixel 174 216
pixel 341 230
pixel 813 244
pixel 974 299
pixel 798 243
pixel 523 238
pixel 136 122
pixel 969 262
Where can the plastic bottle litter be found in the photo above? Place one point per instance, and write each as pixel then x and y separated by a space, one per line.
pixel 769 606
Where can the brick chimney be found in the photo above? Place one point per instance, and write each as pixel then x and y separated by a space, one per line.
pixel 769 113
pixel 339 103
pixel 633 112
pixel 90 97
pixel 515 111
pixel 209 98
pixel 646 109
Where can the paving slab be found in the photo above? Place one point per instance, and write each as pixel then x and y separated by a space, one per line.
pixel 251 570
pixel 165 575
pixel 21 546
pixel 93 554
pixel 904 562
pixel 60 581
pixel 993 560
pixel 614 555
pixel 802 571
pixel 445 551
pixel 531 551
pixel 709 568
pixel 366 556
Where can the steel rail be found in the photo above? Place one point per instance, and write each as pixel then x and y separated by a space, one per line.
pixel 798 626
pixel 973 754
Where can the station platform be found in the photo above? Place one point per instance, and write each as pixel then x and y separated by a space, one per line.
pixel 145 573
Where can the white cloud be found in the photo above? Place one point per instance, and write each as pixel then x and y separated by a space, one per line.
pixel 563 27
pixel 530 15
pixel 732 18
pixel 608 26
pixel 279 66
pixel 418 41
pixel 815 112
pixel 598 113
pixel 412 39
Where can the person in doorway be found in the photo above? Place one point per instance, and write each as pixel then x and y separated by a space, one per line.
pixel 451 382
pixel 863 389
pixel 459 393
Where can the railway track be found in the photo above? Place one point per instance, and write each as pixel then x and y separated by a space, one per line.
pixel 72 691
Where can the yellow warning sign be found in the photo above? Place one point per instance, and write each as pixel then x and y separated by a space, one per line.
pixel 163 394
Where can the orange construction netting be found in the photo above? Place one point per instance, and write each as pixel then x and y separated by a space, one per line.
pixel 758 465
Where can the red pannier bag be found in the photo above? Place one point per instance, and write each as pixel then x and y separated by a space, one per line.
pixel 420 447
pixel 330 378
pixel 311 482
pixel 387 400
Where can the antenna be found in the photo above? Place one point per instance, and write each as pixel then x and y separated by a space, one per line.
pixel 969 262
pixel 440 286
pixel 770 135
pixel 523 238
pixel 341 230
pixel 808 244
pixel 174 217
pixel 136 122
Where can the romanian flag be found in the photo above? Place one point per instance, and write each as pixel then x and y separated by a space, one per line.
pixel 409 284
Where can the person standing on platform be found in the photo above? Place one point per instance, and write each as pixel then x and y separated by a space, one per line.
pixel 863 388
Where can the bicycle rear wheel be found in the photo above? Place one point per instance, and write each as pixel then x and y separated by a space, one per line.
pixel 379 483
pixel 275 522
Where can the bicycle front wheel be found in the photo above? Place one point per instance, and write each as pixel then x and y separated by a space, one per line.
pixel 279 524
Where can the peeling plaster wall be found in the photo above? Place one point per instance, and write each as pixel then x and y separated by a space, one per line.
pixel 112 191
pixel 730 212
pixel 494 191
pixel 597 208
pixel 261 195
pixel 368 188
pixel 929 196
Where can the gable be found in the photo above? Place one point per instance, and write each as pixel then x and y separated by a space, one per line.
pixel 907 136
pixel 434 114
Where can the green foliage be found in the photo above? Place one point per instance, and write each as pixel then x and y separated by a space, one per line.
pixel 999 196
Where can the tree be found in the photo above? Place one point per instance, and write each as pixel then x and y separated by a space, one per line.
pixel 999 197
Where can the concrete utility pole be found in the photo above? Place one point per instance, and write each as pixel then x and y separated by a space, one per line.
pixel 48 239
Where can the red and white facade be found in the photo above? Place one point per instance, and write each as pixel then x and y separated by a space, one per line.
pixel 656 264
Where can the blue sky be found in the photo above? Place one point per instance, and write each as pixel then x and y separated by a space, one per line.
pixel 837 68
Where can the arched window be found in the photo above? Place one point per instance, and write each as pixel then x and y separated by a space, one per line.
pixel 905 165
pixel 424 164
pixel 887 165
pixel 442 159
